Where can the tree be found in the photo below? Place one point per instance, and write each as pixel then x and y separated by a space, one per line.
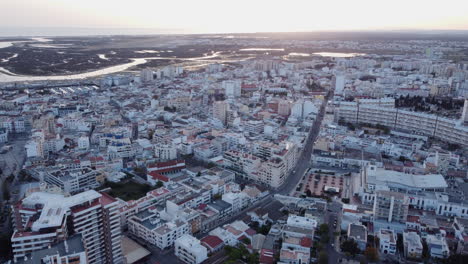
pixel 246 241
pixel 400 245
pixel 323 229
pixel 264 229
pixel 351 126
pixel 5 245
pixel 150 134
pixel 363 260
pixel 456 259
pixel 323 257
pixel 425 251
pixel 308 193
pixel 453 147
pixel 371 254
pixel 350 246
pixel 6 191
pixel 159 184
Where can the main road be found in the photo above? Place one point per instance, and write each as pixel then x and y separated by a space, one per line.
pixel 303 163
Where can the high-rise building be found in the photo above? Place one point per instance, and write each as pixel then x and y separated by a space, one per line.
pixel 220 109
pixel 165 151
pixel 43 219
pixel 339 83
pixel 464 117
pixel 134 130
pixel 284 108
pixel 146 75
pixel 231 88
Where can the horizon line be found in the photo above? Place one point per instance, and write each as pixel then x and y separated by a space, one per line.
pixel 178 31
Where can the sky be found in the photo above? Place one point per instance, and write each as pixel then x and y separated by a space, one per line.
pixel 231 16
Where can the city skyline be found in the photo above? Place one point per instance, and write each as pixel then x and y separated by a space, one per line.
pixel 255 132
pixel 24 17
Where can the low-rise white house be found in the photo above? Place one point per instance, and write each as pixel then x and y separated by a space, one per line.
pixel 437 245
pixel 388 241
pixel 412 245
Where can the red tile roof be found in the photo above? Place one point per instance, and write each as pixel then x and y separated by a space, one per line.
pixel 158 176
pixel 266 257
pixel 412 219
pixel 250 232
pixel 212 241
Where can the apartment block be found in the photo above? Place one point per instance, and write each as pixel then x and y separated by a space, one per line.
pixel 43 219
pixel 391 206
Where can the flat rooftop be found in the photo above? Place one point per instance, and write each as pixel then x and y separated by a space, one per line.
pixel 389 177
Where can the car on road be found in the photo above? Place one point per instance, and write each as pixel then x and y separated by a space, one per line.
pixel 5 149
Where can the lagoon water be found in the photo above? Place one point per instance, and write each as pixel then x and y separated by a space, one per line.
pixel 338 54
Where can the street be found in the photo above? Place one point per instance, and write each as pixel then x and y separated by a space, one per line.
pixel 303 163
pixel 332 216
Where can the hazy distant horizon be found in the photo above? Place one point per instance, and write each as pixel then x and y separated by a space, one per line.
pixel 20 32
pixel 88 17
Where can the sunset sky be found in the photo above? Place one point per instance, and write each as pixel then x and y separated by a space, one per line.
pixel 237 15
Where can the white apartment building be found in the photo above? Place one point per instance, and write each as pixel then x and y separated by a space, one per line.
pixel 73 180
pixel 284 108
pixel 450 130
pixel 339 83
pixel 189 250
pixel 301 222
pixel 391 206
pixel 239 200
pixel 146 75
pixel 120 150
pixel 165 151
pixel 42 219
pixel 35 146
pixel 272 172
pixel 220 111
pixel 242 163
pixel 83 142
pixel 149 226
pixel 254 127
pixel 232 88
